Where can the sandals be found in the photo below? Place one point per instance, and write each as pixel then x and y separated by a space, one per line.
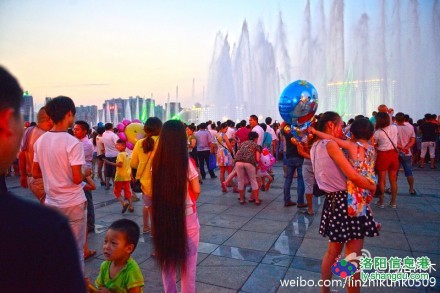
pixel 131 209
pixel 146 230
pixel 413 192
pixel 258 202
pixel 224 189
pixel 89 254
pixel 380 205
pixel 393 206
pixel 242 201
pixel 124 208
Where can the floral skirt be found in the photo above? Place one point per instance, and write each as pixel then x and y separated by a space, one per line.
pixel 339 226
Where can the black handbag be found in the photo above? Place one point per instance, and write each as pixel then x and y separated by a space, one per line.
pixel 316 191
pixel 137 186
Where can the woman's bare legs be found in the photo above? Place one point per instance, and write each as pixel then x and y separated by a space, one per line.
pixel 333 251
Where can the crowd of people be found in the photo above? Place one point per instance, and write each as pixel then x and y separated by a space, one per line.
pixel 59 159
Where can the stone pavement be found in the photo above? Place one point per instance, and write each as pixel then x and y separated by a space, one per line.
pixel 249 248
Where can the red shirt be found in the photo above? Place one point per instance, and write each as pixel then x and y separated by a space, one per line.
pixel 242 134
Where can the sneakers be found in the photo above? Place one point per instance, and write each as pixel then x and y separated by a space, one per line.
pixel 290 204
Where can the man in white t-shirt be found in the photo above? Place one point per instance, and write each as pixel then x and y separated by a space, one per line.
pixel 406 138
pixel 230 132
pixel 109 139
pixel 270 130
pixel 58 158
pixel 253 122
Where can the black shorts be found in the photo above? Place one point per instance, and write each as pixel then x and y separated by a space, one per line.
pixel 109 169
pixel 101 157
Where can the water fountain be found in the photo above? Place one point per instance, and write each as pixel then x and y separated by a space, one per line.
pixel 390 56
pixel 127 113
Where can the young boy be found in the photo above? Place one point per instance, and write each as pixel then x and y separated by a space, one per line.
pixel 123 176
pixel 120 272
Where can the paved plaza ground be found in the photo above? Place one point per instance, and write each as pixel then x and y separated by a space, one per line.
pixel 249 248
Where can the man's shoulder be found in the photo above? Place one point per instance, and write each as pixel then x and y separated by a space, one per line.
pixel 32 215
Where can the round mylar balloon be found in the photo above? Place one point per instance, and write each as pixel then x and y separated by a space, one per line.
pixel 298 102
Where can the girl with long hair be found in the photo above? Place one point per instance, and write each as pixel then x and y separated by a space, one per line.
pixel 176 225
pixel 142 159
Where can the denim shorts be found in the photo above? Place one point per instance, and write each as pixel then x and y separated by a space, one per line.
pixel 407 166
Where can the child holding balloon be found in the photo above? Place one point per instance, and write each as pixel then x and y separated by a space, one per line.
pixel 123 176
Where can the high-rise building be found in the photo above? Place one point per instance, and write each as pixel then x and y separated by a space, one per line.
pixel 27 110
pixel 172 109
pixel 159 112
pixel 87 113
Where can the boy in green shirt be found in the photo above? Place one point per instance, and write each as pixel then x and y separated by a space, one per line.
pixel 120 272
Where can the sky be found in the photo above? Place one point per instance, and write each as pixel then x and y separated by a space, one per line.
pixel 93 50
pixel 97 50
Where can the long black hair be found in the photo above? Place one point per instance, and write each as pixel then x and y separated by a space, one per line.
pixel 326 117
pixel 169 174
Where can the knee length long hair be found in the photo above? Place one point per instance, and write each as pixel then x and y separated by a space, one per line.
pixel 169 171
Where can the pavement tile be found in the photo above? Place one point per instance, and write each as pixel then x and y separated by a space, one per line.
pixel 286 245
pixel 265 226
pixel 429 244
pixel 313 248
pixel 216 235
pixel 389 240
pixel 224 272
pixel 307 263
pixel 228 221
pixel 239 253
pixel 209 208
pixel 251 240
pixel 265 278
pixel 277 259
pixel 207 247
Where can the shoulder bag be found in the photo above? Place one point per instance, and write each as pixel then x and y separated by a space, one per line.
pixel 401 154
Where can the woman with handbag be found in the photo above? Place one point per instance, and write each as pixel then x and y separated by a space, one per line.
pixel 245 164
pixel 332 169
pixel 141 159
pixel 387 160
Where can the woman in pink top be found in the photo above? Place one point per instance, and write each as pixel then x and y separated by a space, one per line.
pixel 176 225
pixel 332 169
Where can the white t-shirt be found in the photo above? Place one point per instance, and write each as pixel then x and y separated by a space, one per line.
pixel 56 153
pixel 257 128
pixel 230 132
pixel 99 146
pixel 192 173
pixel 109 139
pixel 272 132
pixel 383 143
pixel 88 151
pixel 213 134
pixel 404 135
